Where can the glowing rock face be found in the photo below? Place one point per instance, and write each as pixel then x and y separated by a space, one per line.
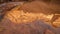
pixel 56 23
pixel 17 16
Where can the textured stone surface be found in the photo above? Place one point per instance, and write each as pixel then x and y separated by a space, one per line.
pixel 10 25
pixel 35 27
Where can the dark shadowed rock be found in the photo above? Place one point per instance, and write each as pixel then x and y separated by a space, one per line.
pixel 35 27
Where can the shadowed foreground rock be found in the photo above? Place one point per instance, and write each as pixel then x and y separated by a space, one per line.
pixel 35 27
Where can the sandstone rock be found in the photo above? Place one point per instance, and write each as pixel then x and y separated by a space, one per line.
pixel 56 23
pixel 28 19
